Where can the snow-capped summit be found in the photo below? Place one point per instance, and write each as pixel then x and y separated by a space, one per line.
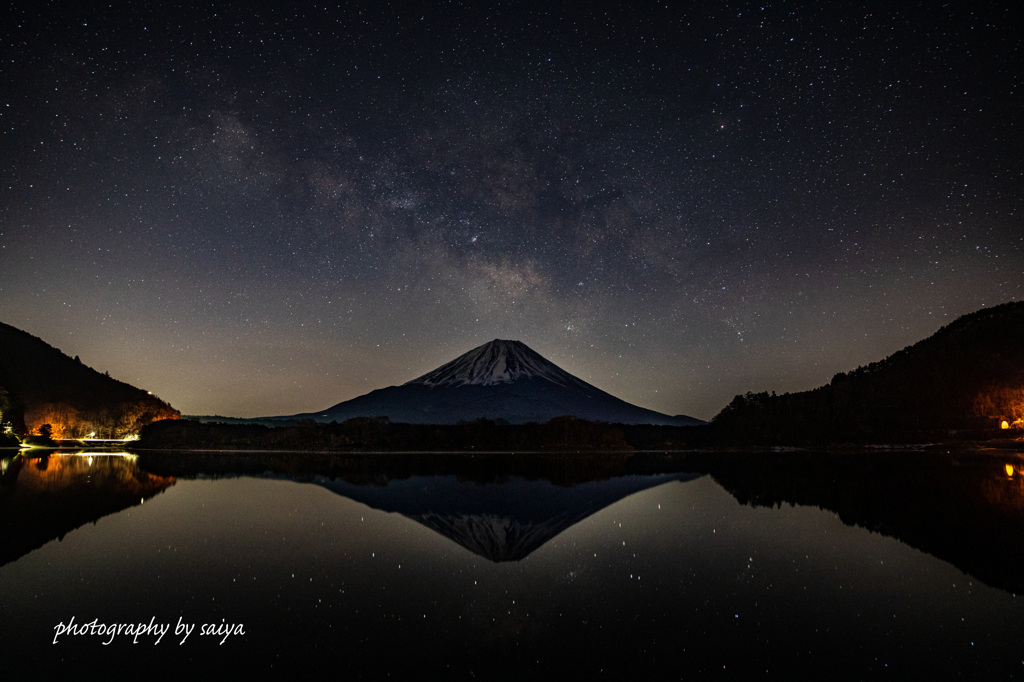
pixel 499 380
pixel 497 362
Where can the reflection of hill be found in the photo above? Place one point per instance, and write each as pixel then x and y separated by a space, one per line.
pixel 501 521
pixel 43 499
pixel 967 511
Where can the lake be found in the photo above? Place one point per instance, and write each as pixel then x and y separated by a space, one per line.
pixel 649 566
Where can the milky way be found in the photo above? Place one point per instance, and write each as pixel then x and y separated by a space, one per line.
pixel 267 208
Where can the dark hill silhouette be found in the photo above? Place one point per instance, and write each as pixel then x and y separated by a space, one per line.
pixel 45 386
pixel 968 375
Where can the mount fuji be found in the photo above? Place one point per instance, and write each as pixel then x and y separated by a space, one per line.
pixel 498 380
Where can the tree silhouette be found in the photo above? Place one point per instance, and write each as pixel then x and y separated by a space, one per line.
pixel 46 432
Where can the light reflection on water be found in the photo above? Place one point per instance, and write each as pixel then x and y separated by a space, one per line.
pixel 43 498
pixel 652 574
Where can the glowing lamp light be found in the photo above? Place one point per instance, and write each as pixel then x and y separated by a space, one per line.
pixel 1009 470
pixel 1004 425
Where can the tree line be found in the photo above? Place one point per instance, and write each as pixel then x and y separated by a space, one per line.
pixel 379 433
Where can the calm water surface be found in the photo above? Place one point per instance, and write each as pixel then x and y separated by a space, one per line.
pixel 748 566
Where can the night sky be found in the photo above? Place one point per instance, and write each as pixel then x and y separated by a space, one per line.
pixel 258 209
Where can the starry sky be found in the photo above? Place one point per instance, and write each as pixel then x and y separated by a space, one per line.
pixel 268 208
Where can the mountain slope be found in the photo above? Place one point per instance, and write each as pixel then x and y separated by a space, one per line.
pixel 498 380
pixel 968 375
pixel 48 387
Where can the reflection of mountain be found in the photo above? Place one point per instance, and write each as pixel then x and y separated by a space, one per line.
pixel 500 506
pixel 968 511
pixel 44 499
pixel 501 521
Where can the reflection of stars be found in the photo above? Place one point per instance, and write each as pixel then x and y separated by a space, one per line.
pixel 473 240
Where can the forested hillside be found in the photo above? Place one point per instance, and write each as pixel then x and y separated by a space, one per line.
pixel 45 386
pixel 968 375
